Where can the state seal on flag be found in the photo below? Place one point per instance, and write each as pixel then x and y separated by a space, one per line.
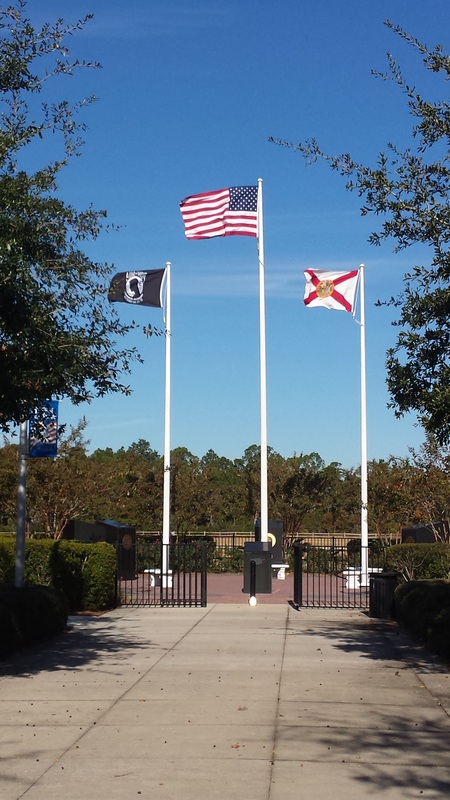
pixel 330 289
pixel 325 289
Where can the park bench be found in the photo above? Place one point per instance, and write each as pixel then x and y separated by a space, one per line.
pixel 155 576
pixel 352 576
pixel 279 571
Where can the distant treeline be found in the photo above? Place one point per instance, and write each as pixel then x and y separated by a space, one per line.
pixel 213 493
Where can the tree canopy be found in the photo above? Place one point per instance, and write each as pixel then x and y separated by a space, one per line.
pixel 58 333
pixel 213 493
pixel 409 189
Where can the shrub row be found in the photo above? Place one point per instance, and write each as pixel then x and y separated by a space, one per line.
pixel 423 607
pixel 326 559
pixel 411 561
pixel 28 615
pixel 186 553
pixel 84 573
pixel 419 561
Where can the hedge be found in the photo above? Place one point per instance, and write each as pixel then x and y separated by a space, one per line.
pixel 28 615
pixel 186 552
pixel 423 607
pixel 419 561
pixel 84 573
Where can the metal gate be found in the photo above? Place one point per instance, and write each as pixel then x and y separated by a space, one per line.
pixel 150 573
pixel 329 575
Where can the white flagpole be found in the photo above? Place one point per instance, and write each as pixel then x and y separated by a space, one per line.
pixel 166 485
pixel 262 338
pixel 364 492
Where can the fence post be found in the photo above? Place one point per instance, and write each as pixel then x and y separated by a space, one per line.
pixel 204 575
pixel 298 574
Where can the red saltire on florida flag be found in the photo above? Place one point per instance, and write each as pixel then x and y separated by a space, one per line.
pixel 331 289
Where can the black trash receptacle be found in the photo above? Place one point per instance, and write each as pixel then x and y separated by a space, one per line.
pixel 261 554
pixel 382 595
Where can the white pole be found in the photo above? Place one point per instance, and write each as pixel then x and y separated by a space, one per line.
pixel 166 485
pixel 263 378
pixel 21 506
pixel 364 493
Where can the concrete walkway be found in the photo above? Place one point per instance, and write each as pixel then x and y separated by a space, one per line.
pixel 228 701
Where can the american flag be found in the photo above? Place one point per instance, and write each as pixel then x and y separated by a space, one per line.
pixel 226 212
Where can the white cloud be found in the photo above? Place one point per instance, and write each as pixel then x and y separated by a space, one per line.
pixel 156 19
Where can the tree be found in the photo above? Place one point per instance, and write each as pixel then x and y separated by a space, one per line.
pixel 299 493
pixel 134 486
pixel 184 470
pixel 63 488
pixel 390 506
pixel 8 485
pixel 58 333
pixel 220 494
pixel 249 470
pixel 410 190
pixel 142 449
pixel 425 482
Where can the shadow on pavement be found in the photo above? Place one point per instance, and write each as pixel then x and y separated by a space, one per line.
pixel 390 752
pixel 73 649
pixel 375 640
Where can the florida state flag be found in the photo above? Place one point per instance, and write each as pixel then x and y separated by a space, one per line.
pixel 331 289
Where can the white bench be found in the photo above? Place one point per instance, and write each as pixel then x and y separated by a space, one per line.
pixel 280 570
pixel 353 576
pixel 155 577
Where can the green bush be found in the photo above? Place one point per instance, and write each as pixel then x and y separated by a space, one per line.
pixel 38 561
pixel 423 607
pixel 375 552
pixel 230 559
pixel 99 577
pixel 186 553
pixel 148 553
pixel 11 638
pixel 28 615
pixel 83 572
pixel 317 559
pixel 7 559
pixel 65 567
pixel 419 561
pixel 333 558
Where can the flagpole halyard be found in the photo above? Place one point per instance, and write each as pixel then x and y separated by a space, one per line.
pixel 263 372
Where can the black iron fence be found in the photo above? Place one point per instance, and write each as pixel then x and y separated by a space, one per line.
pixel 336 574
pixel 328 571
pixel 152 574
pixel 225 549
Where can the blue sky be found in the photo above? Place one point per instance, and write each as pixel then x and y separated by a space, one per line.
pixel 189 93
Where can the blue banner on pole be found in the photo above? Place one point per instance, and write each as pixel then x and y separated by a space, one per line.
pixel 43 431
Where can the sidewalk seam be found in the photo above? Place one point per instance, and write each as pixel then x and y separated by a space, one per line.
pixel 277 716
pixel 108 709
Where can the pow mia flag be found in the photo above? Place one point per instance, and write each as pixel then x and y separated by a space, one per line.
pixel 143 287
